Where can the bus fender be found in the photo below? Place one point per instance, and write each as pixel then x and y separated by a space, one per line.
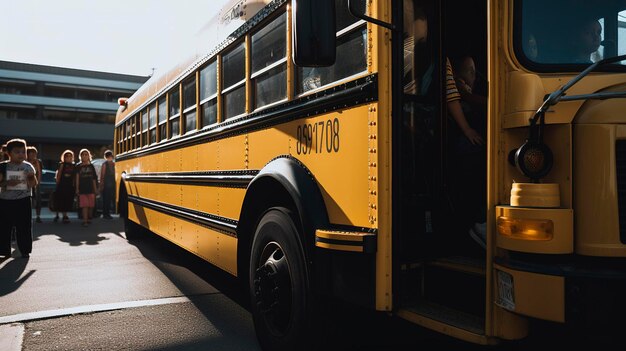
pixel 284 182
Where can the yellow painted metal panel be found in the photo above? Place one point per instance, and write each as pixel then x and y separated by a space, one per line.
pixel 538 295
pixel 208 197
pixel 341 169
pixel 188 236
pixel 339 247
pixel 342 174
pixel 267 144
pixel 230 202
pixel 595 175
pixel 189 159
pixel 379 141
pixel 217 248
pixel 231 153
pixel 189 196
pixel 207 156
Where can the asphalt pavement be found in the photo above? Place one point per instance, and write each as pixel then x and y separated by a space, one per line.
pixel 88 288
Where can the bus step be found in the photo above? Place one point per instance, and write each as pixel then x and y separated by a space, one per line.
pixel 445 320
pixel 459 288
pixel 471 265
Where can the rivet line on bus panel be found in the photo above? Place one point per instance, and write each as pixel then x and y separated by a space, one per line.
pixel 372 159
pixel 246 143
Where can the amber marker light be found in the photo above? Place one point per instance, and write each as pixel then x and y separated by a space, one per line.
pixel 122 101
pixel 526 229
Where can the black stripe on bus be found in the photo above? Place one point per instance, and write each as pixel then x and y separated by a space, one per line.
pixel 224 225
pixel 353 93
pixel 234 179
pixel 338 242
pixel 368 244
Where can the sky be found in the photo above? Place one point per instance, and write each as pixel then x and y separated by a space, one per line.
pixel 118 36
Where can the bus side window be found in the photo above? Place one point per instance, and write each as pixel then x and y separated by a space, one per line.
pixel 234 79
pixel 189 105
pixel 269 62
pixel 208 94
pixel 174 101
pixel 351 53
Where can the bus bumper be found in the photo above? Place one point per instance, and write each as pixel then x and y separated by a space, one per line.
pixel 584 296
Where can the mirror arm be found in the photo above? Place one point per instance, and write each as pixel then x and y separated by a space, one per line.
pixel 354 13
pixel 595 96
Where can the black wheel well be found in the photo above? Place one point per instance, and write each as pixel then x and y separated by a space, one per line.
pixel 266 193
pixel 122 202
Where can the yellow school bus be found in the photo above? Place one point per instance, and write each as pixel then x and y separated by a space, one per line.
pixel 324 148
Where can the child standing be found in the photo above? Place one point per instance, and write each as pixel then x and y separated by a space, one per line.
pixel 107 184
pixel 17 178
pixel 31 154
pixel 64 192
pixel 86 185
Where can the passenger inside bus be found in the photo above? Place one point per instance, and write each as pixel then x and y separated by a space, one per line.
pixel 571 38
pixel 470 158
pixel 586 40
pixel 420 114
pixel 418 72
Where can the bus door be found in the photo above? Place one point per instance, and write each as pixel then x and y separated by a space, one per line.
pixel 442 182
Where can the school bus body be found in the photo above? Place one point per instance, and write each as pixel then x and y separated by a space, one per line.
pixel 328 156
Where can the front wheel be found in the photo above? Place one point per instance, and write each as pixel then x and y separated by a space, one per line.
pixel 279 284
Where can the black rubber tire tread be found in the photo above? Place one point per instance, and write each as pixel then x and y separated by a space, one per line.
pixel 277 226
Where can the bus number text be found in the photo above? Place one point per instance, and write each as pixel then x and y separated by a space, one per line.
pixel 318 137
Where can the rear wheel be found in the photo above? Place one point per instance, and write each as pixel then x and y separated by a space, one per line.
pixel 279 284
pixel 133 230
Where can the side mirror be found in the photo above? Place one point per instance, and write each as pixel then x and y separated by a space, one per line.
pixel 313 33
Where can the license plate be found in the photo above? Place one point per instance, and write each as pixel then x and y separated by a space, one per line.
pixel 506 298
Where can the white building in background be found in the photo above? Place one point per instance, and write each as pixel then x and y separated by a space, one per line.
pixel 55 108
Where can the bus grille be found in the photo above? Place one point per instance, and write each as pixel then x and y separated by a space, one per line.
pixel 620 164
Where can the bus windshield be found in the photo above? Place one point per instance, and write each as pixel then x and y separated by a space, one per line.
pixel 565 32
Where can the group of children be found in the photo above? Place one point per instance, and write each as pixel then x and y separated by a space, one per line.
pixel 20 174
pixel 77 180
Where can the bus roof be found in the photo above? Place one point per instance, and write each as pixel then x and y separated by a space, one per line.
pixel 218 32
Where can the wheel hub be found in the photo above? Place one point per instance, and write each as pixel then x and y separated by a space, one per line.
pixel 272 289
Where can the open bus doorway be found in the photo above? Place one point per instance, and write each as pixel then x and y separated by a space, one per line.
pixel 443 170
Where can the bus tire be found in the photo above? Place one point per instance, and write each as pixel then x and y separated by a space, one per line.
pixel 133 230
pixel 279 284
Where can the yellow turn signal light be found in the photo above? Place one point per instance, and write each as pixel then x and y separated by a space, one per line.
pixel 526 229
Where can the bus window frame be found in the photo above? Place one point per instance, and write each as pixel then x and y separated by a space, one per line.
pixel 145 138
pixel 538 67
pixel 172 118
pixel 236 85
pixel 192 108
pixel 274 65
pixel 340 34
pixel 202 101
pixel 161 122
pixel 152 129
pixel 135 132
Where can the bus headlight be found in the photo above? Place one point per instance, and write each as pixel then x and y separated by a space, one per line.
pixel 526 229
